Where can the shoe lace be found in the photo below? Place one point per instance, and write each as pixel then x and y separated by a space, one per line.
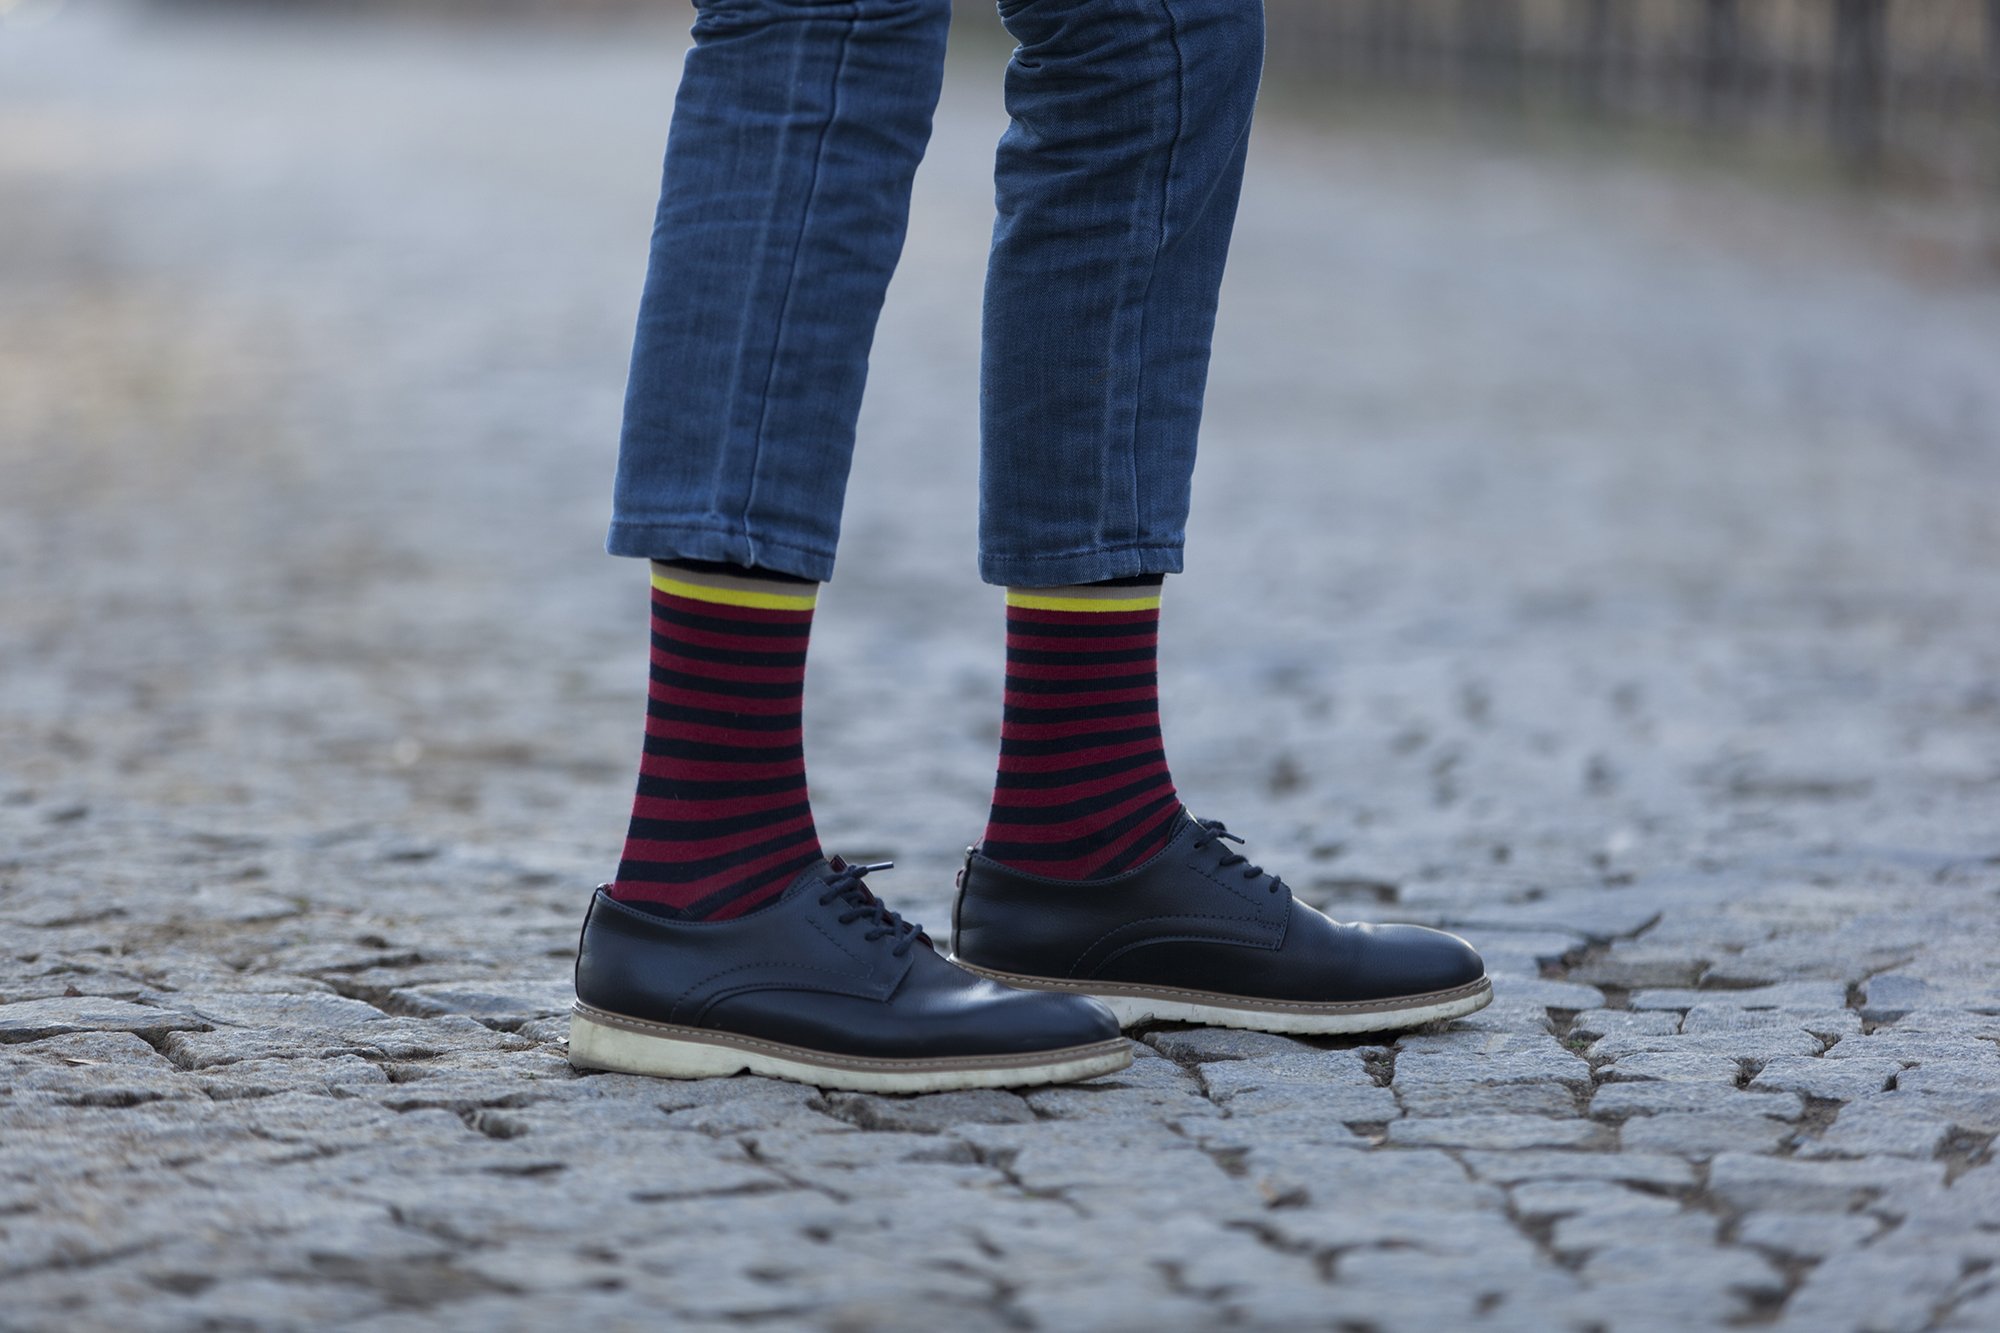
pixel 1216 831
pixel 845 884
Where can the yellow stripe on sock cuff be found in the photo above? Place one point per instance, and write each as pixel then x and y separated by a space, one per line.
pixel 1080 599
pixel 737 593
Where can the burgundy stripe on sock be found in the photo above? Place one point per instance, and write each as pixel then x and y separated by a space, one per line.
pixel 1083 790
pixel 721 823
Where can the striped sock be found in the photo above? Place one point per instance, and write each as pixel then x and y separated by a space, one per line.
pixel 721 823
pixel 1083 789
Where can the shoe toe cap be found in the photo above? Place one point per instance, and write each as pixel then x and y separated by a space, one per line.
pixel 1050 1020
pixel 1415 960
pixel 977 1015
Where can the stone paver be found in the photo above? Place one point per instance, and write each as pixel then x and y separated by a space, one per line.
pixel 1591 557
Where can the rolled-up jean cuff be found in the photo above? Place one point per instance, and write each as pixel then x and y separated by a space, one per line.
pixel 692 541
pixel 1070 567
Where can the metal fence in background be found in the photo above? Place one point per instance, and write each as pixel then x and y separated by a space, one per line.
pixel 1876 82
pixel 1917 80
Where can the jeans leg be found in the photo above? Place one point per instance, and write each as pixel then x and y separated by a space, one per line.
pixel 1116 189
pixel 797 128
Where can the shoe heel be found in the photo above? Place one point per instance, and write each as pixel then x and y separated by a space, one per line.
pixel 593 1045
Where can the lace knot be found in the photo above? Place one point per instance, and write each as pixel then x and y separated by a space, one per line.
pixel 1214 830
pixel 845 885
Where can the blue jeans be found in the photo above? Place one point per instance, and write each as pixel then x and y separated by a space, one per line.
pixel 796 131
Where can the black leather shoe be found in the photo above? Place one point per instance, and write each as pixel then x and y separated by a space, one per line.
pixel 1197 934
pixel 825 986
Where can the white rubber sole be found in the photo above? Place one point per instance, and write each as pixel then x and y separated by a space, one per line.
pixel 613 1042
pixel 1136 1005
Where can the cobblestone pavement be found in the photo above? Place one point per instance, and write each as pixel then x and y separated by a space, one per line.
pixel 1646 635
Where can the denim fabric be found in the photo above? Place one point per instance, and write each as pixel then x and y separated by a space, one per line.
pixel 796 132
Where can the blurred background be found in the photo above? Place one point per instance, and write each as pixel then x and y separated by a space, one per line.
pixel 316 320
pixel 1596 549
pixel 1901 85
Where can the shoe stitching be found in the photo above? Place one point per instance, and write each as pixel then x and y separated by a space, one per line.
pixel 1210 877
pixel 1122 950
pixel 831 940
pixel 1174 916
pixel 780 973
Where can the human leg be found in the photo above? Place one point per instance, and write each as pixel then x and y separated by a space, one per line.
pixel 797 130
pixel 729 942
pixel 798 126
pixel 1116 186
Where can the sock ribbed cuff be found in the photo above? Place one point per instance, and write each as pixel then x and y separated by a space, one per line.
pixel 1086 597
pixel 745 589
